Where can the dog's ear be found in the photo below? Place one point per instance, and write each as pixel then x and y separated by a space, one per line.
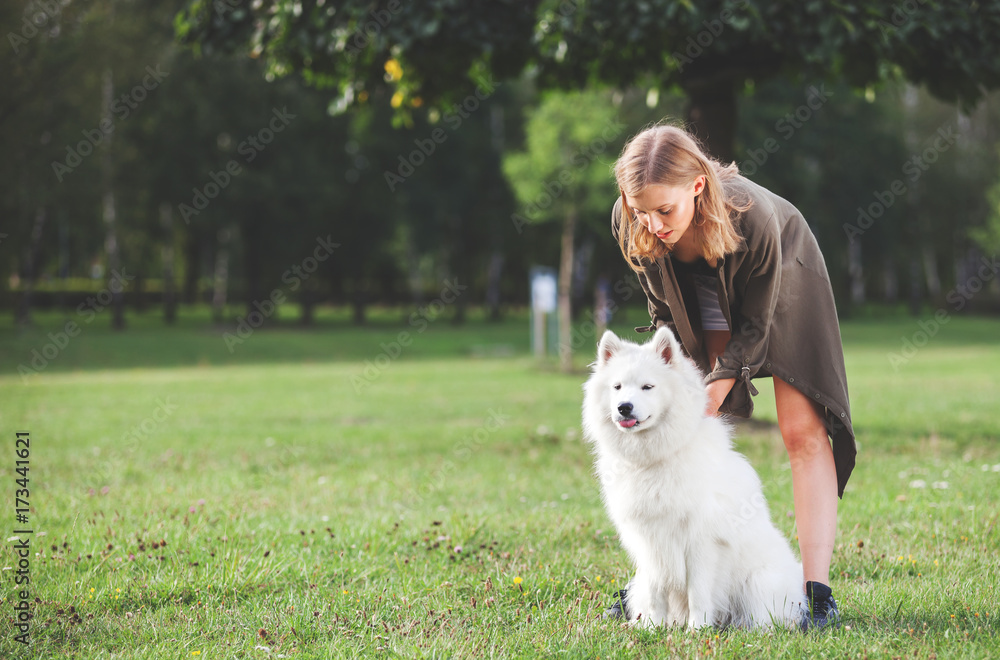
pixel 665 343
pixel 609 345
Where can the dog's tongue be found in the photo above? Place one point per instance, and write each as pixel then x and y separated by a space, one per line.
pixel 628 423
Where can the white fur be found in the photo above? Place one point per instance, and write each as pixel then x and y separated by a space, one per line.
pixel 688 508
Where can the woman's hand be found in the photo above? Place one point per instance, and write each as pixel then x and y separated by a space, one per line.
pixel 717 392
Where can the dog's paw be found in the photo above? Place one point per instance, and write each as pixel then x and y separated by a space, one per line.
pixel 699 620
pixel 644 622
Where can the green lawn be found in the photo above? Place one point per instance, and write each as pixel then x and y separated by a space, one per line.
pixel 304 497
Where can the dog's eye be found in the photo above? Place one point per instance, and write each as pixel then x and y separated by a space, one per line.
pixel 647 387
pixel 618 386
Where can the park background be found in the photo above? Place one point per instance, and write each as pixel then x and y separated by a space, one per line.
pixel 266 314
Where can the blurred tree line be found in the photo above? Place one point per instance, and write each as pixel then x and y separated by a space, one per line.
pixel 200 175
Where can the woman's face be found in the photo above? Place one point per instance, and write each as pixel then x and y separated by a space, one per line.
pixel 667 211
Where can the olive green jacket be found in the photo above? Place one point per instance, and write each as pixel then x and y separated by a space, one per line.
pixel 775 293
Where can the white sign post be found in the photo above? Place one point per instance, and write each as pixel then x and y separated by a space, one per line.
pixel 543 302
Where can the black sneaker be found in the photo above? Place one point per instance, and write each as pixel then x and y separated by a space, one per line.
pixel 823 610
pixel 617 610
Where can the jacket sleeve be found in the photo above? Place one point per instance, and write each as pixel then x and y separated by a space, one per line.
pixel 746 350
pixel 659 312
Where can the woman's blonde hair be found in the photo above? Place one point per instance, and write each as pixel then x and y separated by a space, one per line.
pixel 670 156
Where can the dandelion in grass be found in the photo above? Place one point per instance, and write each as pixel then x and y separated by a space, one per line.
pixel 518 580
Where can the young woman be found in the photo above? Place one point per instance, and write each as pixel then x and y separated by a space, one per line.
pixel 735 272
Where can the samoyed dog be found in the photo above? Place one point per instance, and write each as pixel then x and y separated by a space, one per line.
pixel 688 508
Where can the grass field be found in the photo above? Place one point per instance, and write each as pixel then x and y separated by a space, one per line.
pixel 302 496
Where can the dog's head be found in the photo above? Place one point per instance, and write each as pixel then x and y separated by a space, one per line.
pixel 635 387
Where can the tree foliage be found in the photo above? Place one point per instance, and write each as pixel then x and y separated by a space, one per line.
pixel 571 140
pixel 708 49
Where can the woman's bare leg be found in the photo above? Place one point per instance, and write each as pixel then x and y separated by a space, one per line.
pixel 814 478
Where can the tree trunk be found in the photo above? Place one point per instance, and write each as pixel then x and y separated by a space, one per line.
pixel 252 257
pixel 494 274
pixel 461 307
pixel 890 281
pixel 358 302
pixel 931 272
pixel 459 260
pixel 108 202
pixel 30 267
pixel 601 289
pixel 63 260
pixel 855 272
pixel 220 286
pixel 413 267
pixel 916 290
pixel 167 257
pixel 192 269
pixel 308 299
pixel 565 290
pixel 582 258
pixel 139 292
pixel 336 280
pixel 461 304
pixel 712 116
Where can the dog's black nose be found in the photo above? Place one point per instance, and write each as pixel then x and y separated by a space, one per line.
pixel 625 409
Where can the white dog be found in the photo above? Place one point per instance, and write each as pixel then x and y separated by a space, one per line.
pixel 688 508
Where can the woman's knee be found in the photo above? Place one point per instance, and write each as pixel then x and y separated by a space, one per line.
pixel 803 437
pixel 800 421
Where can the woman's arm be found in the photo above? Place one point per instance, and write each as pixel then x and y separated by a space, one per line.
pixel 746 350
pixel 717 392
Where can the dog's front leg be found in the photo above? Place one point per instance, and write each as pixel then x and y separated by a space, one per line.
pixel 640 602
pixel 701 611
pixel 702 605
pixel 677 607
